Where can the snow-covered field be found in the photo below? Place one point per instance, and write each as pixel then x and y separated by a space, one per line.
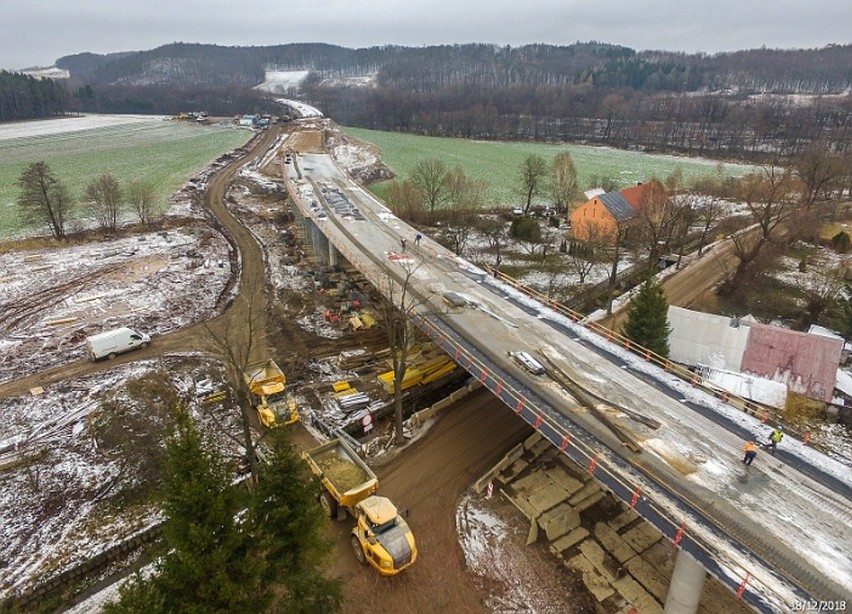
pixel 282 81
pixel 60 125
pixel 285 81
pixel 156 282
pixel 70 496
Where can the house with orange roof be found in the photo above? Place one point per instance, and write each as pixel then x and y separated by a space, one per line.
pixel 601 217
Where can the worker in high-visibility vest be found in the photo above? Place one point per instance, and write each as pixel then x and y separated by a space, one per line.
pixel 750 450
pixel 775 438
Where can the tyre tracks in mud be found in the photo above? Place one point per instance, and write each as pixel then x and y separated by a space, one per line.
pixel 246 263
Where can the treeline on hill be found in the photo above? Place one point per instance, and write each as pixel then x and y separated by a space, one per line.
pixel 728 104
pixel 820 71
pixel 713 125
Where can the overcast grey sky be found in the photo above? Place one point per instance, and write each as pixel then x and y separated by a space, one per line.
pixel 36 33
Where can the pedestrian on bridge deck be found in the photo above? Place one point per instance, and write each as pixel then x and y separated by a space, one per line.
pixel 402 241
pixel 417 238
pixel 750 450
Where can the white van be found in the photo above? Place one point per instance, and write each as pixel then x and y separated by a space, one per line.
pixel 114 342
pixel 528 362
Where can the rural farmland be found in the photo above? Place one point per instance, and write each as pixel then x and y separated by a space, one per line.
pixel 132 148
pixel 497 162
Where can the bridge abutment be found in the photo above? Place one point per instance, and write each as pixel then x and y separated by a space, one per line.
pixel 686 585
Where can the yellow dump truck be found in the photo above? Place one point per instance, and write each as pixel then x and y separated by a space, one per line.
pixel 381 536
pixel 266 382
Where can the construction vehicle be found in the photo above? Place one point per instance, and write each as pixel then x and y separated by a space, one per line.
pixel 266 382
pixel 381 536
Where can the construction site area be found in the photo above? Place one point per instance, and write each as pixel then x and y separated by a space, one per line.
pixel 503 524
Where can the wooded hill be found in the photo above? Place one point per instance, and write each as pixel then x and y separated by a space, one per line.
pixel 813 71
pixel 753 104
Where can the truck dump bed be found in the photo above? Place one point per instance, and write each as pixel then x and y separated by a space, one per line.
pixel 342 472
pixel 263 374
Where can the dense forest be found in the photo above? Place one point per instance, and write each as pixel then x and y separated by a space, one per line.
pixel 813 71
pixel 747 104
pixel 25 97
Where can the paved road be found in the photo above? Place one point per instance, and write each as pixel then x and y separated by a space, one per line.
pixel 687 285
pixel 770 511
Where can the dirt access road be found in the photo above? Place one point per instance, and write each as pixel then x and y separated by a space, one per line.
pixel 427 479
pixel 690 284
pixel 192 337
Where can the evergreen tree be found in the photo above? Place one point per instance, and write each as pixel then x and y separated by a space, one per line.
pixel 227 550
pixel 843 308
pixel 647 319
pixel 290 527
pixel 210 565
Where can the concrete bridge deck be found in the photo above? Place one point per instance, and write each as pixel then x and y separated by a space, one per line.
pixel 769 531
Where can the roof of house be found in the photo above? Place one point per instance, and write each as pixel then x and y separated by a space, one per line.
pixel 699 338
pixel 806 363
pixel 637 194
pixel 617 206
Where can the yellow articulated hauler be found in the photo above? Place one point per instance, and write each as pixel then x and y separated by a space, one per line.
pixel 266 382
pixel 381 536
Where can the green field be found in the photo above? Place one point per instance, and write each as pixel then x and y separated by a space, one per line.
pixel 164 153
pixel 498 163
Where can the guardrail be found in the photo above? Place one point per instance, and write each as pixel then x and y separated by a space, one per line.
pixel 746 583
pixel 753 408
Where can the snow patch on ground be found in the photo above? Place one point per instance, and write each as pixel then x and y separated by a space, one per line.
pixel 154 282
pixel 75 123
pixel 494 550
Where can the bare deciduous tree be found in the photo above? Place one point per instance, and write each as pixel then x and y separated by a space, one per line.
pixel 44 198
pixel 772 198
pixel 405 201
pixel 820 172
pixel 142 199
pixel 708 207
pixel 586 255
pixel 820 287
pixel 429 177
pixel 464 198
pixel 618 238
pixel 396 306
pixel 656 219
pixel 104 196
pixel 238 342
pixel 495 231
pixel 533 176
pixel 564 183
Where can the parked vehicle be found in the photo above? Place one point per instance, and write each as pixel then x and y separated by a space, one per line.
pixel 266 382
pixel 528 362
pixel 381 536
pixel 113 342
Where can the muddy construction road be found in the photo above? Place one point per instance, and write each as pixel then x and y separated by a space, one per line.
pixel 427 480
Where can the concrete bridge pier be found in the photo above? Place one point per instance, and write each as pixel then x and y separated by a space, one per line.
pixel 686 585
pixel 333 255
pixel 318 241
